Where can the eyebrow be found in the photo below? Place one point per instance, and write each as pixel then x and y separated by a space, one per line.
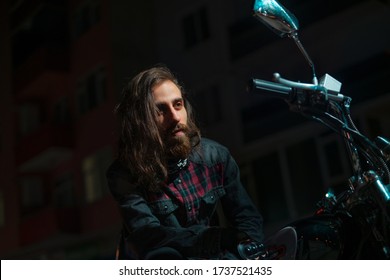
pixel 173 101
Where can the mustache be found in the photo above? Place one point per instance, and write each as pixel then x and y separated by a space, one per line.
pixel 179 127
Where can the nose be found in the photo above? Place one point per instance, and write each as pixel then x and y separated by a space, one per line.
pixel 174 115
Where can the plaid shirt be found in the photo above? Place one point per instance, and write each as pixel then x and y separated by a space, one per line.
pixel 181 213
pixel 187 191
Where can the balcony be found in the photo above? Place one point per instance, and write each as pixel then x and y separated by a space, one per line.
pixel 45 69
pixel 45 147
pixel 48 223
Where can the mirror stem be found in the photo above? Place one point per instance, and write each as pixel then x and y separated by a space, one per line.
pixel 294 35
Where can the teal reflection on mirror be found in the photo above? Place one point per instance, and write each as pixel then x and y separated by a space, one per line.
pixel 276 17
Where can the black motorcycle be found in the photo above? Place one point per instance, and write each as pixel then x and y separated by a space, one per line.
pixel 354 224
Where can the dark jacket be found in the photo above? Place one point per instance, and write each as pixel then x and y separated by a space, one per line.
pixel 168 219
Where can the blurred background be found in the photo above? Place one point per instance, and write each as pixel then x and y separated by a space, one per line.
pixel 63 65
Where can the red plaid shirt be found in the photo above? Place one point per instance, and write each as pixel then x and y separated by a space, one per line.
pixel 188 189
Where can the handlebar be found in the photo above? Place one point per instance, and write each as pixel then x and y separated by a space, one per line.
pixel 325 104
pixel 281 90
pixel 287 89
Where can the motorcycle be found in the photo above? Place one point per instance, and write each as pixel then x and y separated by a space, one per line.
pixel 354 224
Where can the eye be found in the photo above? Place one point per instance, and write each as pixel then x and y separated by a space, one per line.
pixel 178 104
pixel 161 109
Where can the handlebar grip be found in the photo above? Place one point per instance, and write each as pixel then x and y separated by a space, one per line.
pixel 251 250
pixel 262 85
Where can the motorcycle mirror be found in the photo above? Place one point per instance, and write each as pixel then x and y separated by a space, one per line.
pixel 283 23
pixel 276 17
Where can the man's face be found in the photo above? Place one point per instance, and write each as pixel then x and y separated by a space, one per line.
pixel 172 118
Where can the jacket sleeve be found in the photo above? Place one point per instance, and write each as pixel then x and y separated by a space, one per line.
pixel 237 205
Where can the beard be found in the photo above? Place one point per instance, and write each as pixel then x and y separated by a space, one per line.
pixel 177 146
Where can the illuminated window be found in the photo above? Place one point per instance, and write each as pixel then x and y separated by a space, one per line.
pixel 94 173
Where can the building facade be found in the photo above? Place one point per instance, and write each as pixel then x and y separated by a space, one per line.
pixel 65 63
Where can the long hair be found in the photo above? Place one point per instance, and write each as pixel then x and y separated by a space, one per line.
pixel 140 146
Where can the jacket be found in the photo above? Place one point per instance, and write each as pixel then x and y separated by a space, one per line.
pixel 189 222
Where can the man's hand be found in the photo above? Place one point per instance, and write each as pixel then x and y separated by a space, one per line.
pixel 252 250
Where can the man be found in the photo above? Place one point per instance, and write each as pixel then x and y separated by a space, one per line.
pixel 168 180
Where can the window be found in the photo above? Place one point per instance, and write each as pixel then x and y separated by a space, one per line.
pixel 91 91
pixel 85 17
pixel 269 185
pixel 195 28
pixel 334 161
pixel 208 102
pixel 63 194
pixel 37 24
pixel 32 193
pixel 30 117
pixel 94 170
pixel 266 118
pixel 288 182
pixel 247 35
pixel 303 9
pixel 61 111
pixel 359 78
pixel 305 175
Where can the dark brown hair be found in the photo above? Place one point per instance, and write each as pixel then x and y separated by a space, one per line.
pixel 140 146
